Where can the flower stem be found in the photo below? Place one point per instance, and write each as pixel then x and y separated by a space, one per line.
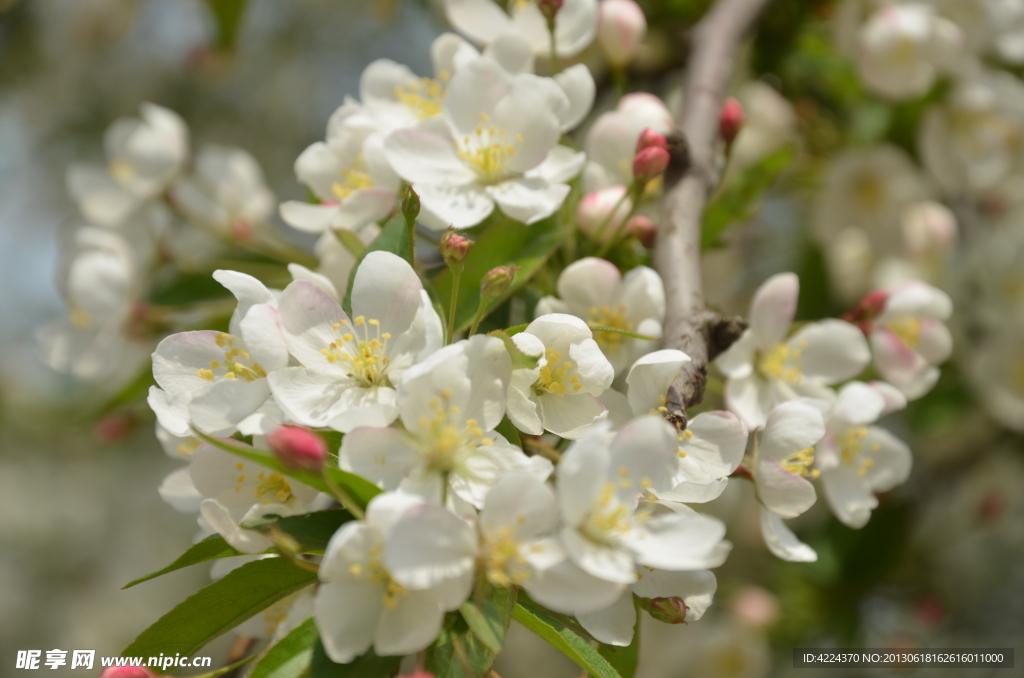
pixel 456 278
pixel 411 226
pixel 611 215
pixel 554 47
pixel 480 312
pixel 618 232
pixel 343 497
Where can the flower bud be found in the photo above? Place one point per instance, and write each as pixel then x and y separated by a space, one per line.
pixel 929 228
pixel 497 281
pixel 549 8
pixel 114 427
pixel 649 163
pixel 127 672
pixel 649 138
pixel 596 207
pixel 643 229
pixel 454 248
pixel 241 229
pixel 867 310
pixel 731 120
pixel 410 204
pixel 755 606
pixel 666 610
pixel 298 448
pixel 620 30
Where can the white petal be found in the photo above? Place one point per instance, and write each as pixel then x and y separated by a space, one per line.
pixel 346 614
pixel 528 199
pixel 772 309
pixel 226 403
pixel 679 541
pixel 428 545
pixel 650 377
pixel 522 504
pixel 696 588
pixel 453 206
pixel 848 495
pixel 614 624
pixel 782 542
pixel 606 562
pixel 308 217
pixel 178 491
pixel 578 85
pixel 783 492
pixel 381 455
pixel 387 289
pixel 411 626
pixel 568 416
pixel 481 20
pixel 560 585
pixel 422 157
pixel 833 350
pixel 791 427
pixel 582 473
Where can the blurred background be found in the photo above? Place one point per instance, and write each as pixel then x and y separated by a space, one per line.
pixel 940 564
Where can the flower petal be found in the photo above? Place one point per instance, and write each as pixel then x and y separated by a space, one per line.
pixel 772 309
pixel 831 350
pixel 428 545
pixel 650 377
pixel 791 427
pixel 614 624
pixel 383 456
pixel 421 157
pixel 453 206
pixel 528 199
pixel 560 585
pixel 782 542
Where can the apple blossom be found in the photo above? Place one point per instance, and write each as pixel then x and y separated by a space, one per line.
pixel 349 366
pixel 611 141
pixel 484 21
pixel 764 368
pixel 560 393
pixel 620 30
pixel 594 290
pixel 600 213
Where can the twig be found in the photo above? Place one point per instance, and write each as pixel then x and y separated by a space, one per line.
pixel 690 179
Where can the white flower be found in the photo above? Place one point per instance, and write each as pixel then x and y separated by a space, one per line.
pixel 765 368
pixel 226 193
pixel 710 448
pixel 143 158
pixel 607 530
pixel 350 366
pixel 996 370
pixel 177 489
pixel 594 290
pixel 359 605
pixel 902 49
pixel 909 338
pixel 449 405
pixel 620 31
pixel 350 176
pixel 605 209
pixel 238 491
pixel 784 459
pixel 484 22
pixel 611 141
pixel 770 123
pixel 560 393
pixel 856 459
pixel 215 380
pixel 505 132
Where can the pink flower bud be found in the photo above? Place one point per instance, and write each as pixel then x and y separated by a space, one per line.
pixel 497 281
pixel 299 448
pixel 643 229
pixel 731 120
pixel 595 208
pixel 620 30
pixel 864 313
pixel 649 138
pixel 666 610
pixel 755 606
pixel 549 8
pixel 649 163
pixel 454 248
pixel 127 672
pixel 241 229
pixel 114 427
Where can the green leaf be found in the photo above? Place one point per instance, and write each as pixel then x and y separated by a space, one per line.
pixel 485 622
pixel 443 658
pixel 311 530
pixel 351 242
pixel 210 548
pixel 520 360
pixel 291 656
pixel 625 659
pixel 394 238
pixel 511 433
pixel 737 200
pixel 563 639
pixel 368 665
pixel 505 243
pixel 221 606
pixel 228 16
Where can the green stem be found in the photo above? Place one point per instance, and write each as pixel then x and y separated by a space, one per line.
pixel 411 226
pixel 618 232
pixel 480 312
pixel 554 47
pixel 621 77
pixel 611 215
pixel 344 498
pixel 456 278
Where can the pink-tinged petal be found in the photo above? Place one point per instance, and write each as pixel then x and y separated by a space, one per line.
pixel 782 542
pixel 307 315
pixel 457 207
pixel 894 399
pixel 387 289
pixel 781 491
pixel 772 309
pixel 791 427
pixel 308 217
pixel 897 363
pixel 614 624
pixel 422 157
pixel 383 456
pixel 921 383
pixel 848 495
pixel 831 350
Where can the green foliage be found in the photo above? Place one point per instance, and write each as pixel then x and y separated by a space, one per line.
pixel 485 622
pixel 221 606
pixel 563 639
pixel 368 665
pixel 503 243
pixel 394 238
pixel 459 645
pixel 520 360
pixel 511 433
pixel 291 656
pixel 311 530
pixel 227 15
pixel 625 659
pixel 210 548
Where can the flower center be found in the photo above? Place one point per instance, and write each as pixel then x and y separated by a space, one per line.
pixel 237 363
pixel 375 572
pixel 870 192
pixel 273 488
pixel 780 362
pixel 607 316
pixel 609 520
pixel 488 151
pixel 353 178
pixel 448 443
pixel 851 449
pixel 504 564
pixel 360 349
pixel 424 97
pixel 554 376
pixel 800 463
pixel 907 329
pixel 121 170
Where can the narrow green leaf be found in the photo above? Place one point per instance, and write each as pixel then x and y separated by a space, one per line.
pixel 311 530
pixel 737 200
pixel 291 656
pixel 443 658
pixel 616 330
pixel 563 639
pixel 516 329
pixel 511 433
pixel 520 360
pixel 210 548
pixel 367 666
pixel 394 238
pixel 625 659
pixel 485 622
pixel 505 243
pixel 351 242
pixel 219 607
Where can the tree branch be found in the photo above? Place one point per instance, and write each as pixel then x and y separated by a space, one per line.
pixel 689 325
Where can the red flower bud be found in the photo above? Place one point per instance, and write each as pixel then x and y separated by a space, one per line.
pixel 643 229
pixel 649 163
pixel 867 310
pixel 731 120
pixel 127 672
pixel 299 448
pixel 666 610
pixel 649 138
pixel 454 248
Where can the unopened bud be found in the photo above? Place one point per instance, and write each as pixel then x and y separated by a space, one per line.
pixel 731 120
pixel 114 427
pixel 298 448
pixel 865 312
pixel 127 672
pixel 595 207
pixel 454 248
pixel 620 30
pixel 649 163
pixel 649 138
pixel 497 281
pixel 755 606
pixel 929 228
pixel 549 8
pixel 643 229
pixel 241 229
pixel 667 610
pixel 410 204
